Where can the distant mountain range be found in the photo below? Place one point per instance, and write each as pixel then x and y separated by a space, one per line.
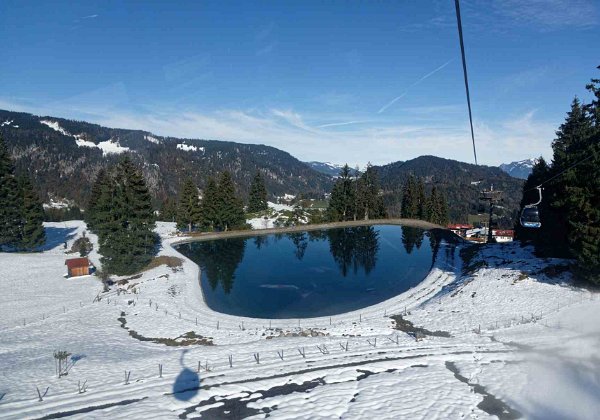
pixel 520 169
pixel 63 157
pixel 327 168
pixel 460 182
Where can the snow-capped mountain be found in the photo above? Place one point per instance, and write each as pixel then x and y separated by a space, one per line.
pixel 328 168
pixel 520 169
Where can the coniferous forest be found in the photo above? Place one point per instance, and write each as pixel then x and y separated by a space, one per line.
pixel 21 212
pixel 220 207
pixel 570 206
pixel 356 197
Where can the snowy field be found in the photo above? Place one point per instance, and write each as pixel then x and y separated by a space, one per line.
pixel 512 338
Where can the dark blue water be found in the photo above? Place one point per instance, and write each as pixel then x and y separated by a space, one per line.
pixel 311 274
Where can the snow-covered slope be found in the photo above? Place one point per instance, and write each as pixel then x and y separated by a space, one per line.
pixel 520 169
pixel 108 147
pixel 523 341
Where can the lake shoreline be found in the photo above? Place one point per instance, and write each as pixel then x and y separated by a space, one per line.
pixel 207 236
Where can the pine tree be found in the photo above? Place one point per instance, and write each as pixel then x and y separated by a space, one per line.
pixel 104 219
pixel 342 202
pixel 370 202
pixel 230 209
pixel 410 205
pixel 209 205
pixel 570 206
pixel 257 200
pixel 168 210
pixel 101 179
pixel 188 210
pixel 32 233
pixel 421 201
pixel 442 206
pixel 126 222
pixel 432 206
pixel 10 200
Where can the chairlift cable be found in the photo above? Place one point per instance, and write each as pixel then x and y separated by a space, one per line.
pixel 464 63
pixel 560 173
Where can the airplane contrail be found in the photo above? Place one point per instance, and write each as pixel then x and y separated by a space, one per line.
pixel 340 123
pixel 431 73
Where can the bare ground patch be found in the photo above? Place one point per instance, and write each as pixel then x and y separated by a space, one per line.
pixel 189 338
pixel 417 332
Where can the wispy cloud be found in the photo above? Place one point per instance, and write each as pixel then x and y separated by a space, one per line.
pixel 379 141
pixel 266 49
pixel 550 14
pixel 264 32
pixel 90 17
pixel 403 94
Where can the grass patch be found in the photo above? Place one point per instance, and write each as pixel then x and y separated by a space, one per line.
pixel 408 327
pixel 189 338
pixel 173 263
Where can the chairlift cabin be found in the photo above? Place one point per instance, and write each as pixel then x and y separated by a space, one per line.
pixel 530 216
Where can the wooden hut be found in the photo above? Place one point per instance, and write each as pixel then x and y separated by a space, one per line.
pixel 78 266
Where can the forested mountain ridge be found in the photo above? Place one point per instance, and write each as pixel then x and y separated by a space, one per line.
pixel 460 182
pixel 63 157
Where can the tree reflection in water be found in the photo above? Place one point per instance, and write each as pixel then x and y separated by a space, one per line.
pixel 300 241
pixel 219 260
pixel 354 247
pixel 411 238
pixel 260 241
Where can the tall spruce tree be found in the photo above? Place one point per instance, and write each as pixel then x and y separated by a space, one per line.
pixel 442 210
pixel 188 210
pixel 583 210
pixel 433 208
pixel 32 233
pixel 370 202
pixel 101 179
pixel 168 210
pixel 209 205
pixel 230 208
pixel 10 200
pixel 421 201
pixel 410 204
pixel 570 207
pixel 126 221
pixel 257 200
pixel 342 202
pixel 580 187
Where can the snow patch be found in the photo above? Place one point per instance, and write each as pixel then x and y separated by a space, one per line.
pixel 152 139
pixel 58 204
pixel 189 147
pixel 56 127
pixel 111 147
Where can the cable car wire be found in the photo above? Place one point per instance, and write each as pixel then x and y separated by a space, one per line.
pixel 464 63
pixel 560 173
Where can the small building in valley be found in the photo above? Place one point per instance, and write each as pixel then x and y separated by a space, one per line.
pixel 78 267
pixel 460 229
pixel 506 235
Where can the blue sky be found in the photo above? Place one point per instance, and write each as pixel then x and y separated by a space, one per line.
pixel 339 81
